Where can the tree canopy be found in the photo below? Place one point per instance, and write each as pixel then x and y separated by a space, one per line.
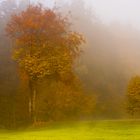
pixel 44 47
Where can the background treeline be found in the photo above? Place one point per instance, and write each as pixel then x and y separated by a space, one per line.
pixel 110 58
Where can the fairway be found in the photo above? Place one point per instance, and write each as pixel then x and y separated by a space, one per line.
pixel 96 130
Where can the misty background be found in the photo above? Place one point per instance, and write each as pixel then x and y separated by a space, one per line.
pixel 110 56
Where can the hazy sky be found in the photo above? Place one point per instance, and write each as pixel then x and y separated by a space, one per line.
pixel 126 11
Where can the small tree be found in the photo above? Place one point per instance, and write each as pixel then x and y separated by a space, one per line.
pixel 133 96
pixel 45 47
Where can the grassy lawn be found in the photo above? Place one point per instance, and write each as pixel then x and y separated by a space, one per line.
pixel 96 130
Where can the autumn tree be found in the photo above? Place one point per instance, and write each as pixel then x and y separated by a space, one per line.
pixel 133 96
pixel 44 47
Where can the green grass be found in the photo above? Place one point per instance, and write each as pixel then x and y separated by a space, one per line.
pixel 96 130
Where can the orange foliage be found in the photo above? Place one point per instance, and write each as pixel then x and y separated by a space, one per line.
pixel 45 45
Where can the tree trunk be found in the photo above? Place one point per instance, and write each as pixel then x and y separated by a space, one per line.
pixel 34 105
pixel 32 102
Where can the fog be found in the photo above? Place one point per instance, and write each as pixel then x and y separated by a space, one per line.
pixel 110 56
pixel 124 11
pixel 109 11
pixel 112 50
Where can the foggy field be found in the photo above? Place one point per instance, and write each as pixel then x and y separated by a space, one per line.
pixel 63 62
pixel 96 130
